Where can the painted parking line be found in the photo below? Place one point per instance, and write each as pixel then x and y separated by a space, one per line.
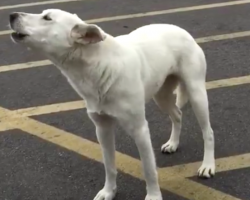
pixel 6 32
pixel 223 164
pixel 137 15
pixel 74 105
pixel 5 127
pixel 194 191
pixel 228 82
pixel 223 37
pixel 45 109
pixel 201 40
pixel 169 180
pixel 170 11
pixel 130 16
pixel 36 4
pixel 18 66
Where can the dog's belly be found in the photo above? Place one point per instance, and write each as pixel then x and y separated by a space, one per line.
pixel 155 73
pixel 150 89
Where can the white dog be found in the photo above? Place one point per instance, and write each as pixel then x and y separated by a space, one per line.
pixel 117 76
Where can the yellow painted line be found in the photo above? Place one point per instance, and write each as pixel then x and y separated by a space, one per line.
pixel 35 4
pixel 193 190
pixel 68 140
pixel 52 108
pixel 169 11
pixel 41 63
pixel 228 82
pixel 7 32
pixel 5 127
pixel 75 105
pixel 223 164
pixel 126 164
pixel 223 37
pixel 5 68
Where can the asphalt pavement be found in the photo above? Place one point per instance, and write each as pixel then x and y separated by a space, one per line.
pixel 35 169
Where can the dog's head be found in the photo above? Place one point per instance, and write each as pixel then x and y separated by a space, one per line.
pixel 53 30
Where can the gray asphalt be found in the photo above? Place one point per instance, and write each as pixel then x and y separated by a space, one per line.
pixel 33 169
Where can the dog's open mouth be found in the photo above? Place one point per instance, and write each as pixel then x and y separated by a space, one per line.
pixel 19 36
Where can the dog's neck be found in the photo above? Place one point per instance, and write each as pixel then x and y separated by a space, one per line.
pixel 87 55
pixel 91 69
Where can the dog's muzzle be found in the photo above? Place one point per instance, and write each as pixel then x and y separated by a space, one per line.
pixel 18 34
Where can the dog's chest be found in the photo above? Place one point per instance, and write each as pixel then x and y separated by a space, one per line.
pixel 86 88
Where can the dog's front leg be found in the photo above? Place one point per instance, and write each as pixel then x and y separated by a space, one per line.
pixel 105 135
pixel 139 131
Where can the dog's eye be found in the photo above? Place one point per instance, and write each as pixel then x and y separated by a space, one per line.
pixel 47 18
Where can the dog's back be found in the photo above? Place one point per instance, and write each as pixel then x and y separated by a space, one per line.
pixel 165 50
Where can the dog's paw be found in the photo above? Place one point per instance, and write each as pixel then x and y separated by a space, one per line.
pixel 153 197
pixel 105 194
pixel 169 147
pixel 206 170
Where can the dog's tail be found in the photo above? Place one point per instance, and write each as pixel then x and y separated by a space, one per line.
pixel 181 95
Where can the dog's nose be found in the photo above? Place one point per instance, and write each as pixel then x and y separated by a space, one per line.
pixel 13 16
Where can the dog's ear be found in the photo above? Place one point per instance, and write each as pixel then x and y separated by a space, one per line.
pixel 87 34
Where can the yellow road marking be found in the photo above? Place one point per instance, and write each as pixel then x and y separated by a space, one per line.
pixel 5 127
pixel 171 182
pixel 228 82
pixel 74 105
pixel 5 68
pixel 41 63
pixel 223 164
pixel 65 139
pixel 36 4
pixel 193 190
pixel 6 32
pixel 223 37
pixel 52 108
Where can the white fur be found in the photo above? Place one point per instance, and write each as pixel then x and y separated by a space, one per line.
pixel 117 76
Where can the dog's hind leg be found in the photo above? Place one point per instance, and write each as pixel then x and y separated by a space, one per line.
pixel 181 95
pixel 165 99
pixel 194 79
